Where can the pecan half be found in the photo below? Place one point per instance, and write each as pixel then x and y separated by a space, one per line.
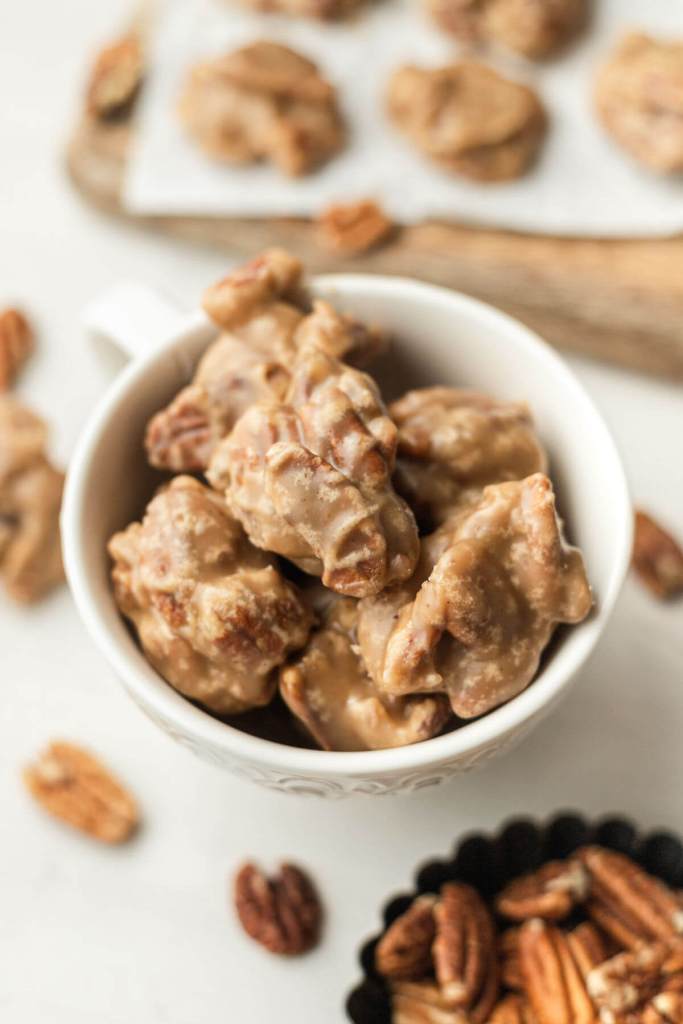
pixel 281 913
pixel 626 902
pixel 464 949
pixel 657 558
pixel 588 946
pixel 353 227
pixel 31 562
pixel 30 500
pixel 550 893
pixel 552 980
pixel 16 345
pixel 508 953
pixel 513 1009
pixel 405 950
pixel 73 786
pixel 273 276
pixel 325 10
pixel 488 996
pixel 115 78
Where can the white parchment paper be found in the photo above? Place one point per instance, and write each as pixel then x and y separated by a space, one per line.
pixel 582 184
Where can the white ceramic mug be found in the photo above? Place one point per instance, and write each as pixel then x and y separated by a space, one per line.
pixel 442 337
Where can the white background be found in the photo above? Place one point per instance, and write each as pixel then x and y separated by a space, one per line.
pixel 144 934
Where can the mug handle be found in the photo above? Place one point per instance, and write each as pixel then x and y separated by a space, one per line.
pixel 135 318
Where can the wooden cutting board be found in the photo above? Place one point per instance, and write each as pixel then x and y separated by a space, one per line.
pixel 620 301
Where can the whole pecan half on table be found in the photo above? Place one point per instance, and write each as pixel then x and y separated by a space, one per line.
pixel 16 345
pixel 281 913
pixel 73 786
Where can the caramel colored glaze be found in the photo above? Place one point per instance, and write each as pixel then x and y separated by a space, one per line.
pixel 310 479
pixel 260 311
pixel 213 614
pixel 534 28
pixel 451 442
pixel 475 625
pixel 263 101
pixel 639 99
pixel 329 691
pixel 468 118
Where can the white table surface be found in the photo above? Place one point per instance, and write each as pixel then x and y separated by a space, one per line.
pixel 144 934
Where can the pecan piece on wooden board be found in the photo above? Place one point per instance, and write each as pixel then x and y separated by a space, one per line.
pixel 553 981
pixel 16 345
pixel 115 78
pixel 464 950
pixel 353 227
pixel 282 913
pixel 657 558
pixel 551 892
pixel 72 785
pixel 405 949
pixel 630 905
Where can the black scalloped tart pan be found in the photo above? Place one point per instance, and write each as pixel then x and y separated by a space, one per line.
pixel 488 862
